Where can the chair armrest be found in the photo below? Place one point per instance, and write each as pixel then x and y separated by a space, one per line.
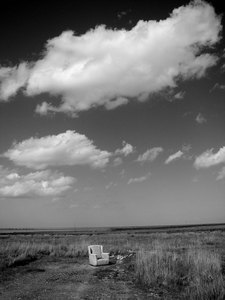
pixel 93 259
pixel 105 255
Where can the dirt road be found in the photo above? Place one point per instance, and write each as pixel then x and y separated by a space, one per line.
pixel 59 279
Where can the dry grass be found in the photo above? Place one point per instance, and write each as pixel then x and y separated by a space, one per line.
pixel 15 253
pixel 196 273
pixel 190 264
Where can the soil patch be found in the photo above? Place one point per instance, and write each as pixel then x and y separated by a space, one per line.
pixel 67 278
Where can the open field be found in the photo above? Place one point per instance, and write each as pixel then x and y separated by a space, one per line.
pixel 146 263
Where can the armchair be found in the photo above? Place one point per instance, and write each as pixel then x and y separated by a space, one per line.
pixel 96 255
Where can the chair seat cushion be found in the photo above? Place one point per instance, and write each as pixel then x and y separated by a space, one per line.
pixel 102 261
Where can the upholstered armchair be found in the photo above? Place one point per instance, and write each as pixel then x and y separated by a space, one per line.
pixel 96 255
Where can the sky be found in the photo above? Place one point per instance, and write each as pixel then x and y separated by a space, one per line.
pixel 112 114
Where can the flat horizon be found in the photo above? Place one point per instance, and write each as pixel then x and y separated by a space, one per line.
pixel 122 227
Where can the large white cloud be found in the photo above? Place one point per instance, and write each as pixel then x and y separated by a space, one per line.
pixel 208 158
pixel 41 183
pixel 107 67
pixel 69 148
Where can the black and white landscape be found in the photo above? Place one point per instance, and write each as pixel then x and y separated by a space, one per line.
pixel 112 114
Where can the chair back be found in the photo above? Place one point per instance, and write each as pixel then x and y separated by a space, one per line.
pixel 95 249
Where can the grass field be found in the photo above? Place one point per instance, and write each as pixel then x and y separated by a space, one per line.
pixel 189 264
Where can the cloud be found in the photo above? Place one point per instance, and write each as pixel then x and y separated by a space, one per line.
pixel 138 179
pixel 186 148
pixel 218 86
pixel 200 119
pixel 41 183
pixel 109 66
pixel 12 79
pixel 122 14
pixel 126 150
pixel 179 95
pixel 69 148
pixel 117 161
pixel 150 155
pixel 221 174
pixel 115 103
pixel 110 184
pixel 45 108
pixel 174 156
pixel 208 158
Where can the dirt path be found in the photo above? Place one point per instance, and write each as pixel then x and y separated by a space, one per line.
pixel 54 278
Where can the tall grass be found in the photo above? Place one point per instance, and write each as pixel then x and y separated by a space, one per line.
pixel 19 252
pixel 189 264
pixel 194 272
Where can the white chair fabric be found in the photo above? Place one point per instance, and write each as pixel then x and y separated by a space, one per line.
pixel 96 255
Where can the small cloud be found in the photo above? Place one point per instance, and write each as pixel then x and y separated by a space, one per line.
pixel 186 148
pixel 179 95
pixel 150 155
pixel 111 184
pixel 138 179
pixel 115 103
pixel 200 119
pixel 221 174
pixel 117 161
pixel 218 86
pixel 56 199
pixel 122 14
pixel 13 176
pixel 45 108
pixel 222 68
pixel 208 158
pixel 174 157
pixel 126 150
